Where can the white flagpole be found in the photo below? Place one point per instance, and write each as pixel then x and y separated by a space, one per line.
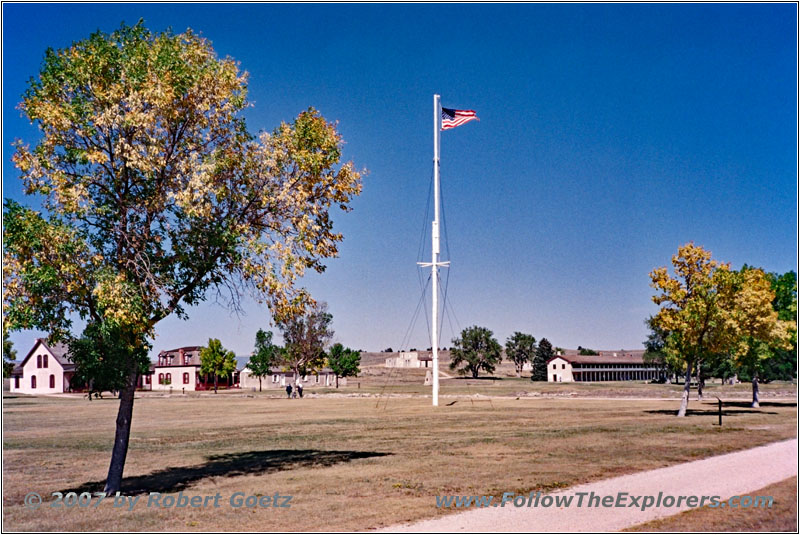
pixel 437 117
pixel 435 264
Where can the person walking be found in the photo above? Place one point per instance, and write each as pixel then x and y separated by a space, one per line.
pixel 289 391
pixel 300 389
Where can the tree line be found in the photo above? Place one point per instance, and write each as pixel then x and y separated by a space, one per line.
pixel 477 350
pixel 716 322
pixel 306 338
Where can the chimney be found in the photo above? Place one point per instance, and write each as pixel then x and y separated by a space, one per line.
pixel 181 356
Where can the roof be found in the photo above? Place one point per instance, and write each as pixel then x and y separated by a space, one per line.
pixel 621 358
pixel 59 352
pixel 178 350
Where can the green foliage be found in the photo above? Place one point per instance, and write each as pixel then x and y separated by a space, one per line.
pixel 9 355
pixel 586 351
pixel 155 195
pixel 521 349
pixel 105 356
pixel 474 351
pixel 343 361
pixel 544 352
pixel 782 364
pixel 216 360
pixel 264 357
pixel 305 338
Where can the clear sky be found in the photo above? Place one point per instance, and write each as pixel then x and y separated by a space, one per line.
pixel 609 135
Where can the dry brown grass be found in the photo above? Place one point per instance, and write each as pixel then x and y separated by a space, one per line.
pixel 349 464
pixel 782 516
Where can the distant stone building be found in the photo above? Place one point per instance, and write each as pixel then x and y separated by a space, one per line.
pixel 279 379
pixel 411 359
pixel 607 366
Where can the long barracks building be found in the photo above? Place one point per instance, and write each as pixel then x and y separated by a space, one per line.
pixel 607 366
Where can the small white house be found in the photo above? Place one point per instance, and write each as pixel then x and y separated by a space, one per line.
pixel 44 370
pixel 410 359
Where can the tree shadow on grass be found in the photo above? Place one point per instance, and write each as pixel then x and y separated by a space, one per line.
pixel 175 479
pixel 709 412
pixel 762 403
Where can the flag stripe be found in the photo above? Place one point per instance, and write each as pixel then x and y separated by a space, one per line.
pixel 452 118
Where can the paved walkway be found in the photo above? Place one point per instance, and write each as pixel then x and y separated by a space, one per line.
pixel 733 474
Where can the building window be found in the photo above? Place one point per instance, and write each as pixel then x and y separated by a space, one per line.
pixel 16 382
pixel 169 379
pixel 38 361
pixel 33 381
pixel 563 366
pixel 147 379
pixel 161 378
pixel 52 381
pixel 186 378
pixel 275 378
pixel 44 361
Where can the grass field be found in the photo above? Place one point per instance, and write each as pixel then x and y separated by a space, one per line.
pixel 351 463
pixel 782 516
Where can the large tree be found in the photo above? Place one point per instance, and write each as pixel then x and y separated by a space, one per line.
pixel 264 357
pixel 475 350
pixel 305 338
pixel 520 348
pixel 155 196
pixel 343 361
pixel 216 360
pixel 756 324
pixel 544 352
pixel 691 312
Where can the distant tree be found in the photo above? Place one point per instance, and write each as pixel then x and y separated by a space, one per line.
pixel 654 354
pixel 305 338
pixel 586 351
pixel 474 351
pixel 544 352
pixel 9 355
pixel 343 361
pixel 782 365
pixel 388 350
pixel 264 357
pixel 520 348
pixel 217 360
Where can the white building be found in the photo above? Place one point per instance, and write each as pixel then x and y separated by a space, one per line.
pixel 44 370
pixel 410 359
pixel 607 366
pixel 279 379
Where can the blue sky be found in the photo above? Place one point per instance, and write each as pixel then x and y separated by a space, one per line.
pixel 609 135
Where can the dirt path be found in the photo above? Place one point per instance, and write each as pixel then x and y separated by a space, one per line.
pixel 733 474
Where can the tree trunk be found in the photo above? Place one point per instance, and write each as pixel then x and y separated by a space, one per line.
pixel 700 382
pixel 215 383
pixel 755 404
pixel 120 451
pixel 685 397
pixel 259 384
pixel 519 371
pixel 337 380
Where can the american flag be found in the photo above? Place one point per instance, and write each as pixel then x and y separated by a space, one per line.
pixel 452 118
